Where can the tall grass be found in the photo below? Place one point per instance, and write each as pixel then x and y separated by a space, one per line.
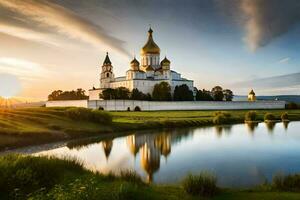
pixel 204 184
pixel 85 114
pixel 286 183
pixel 127 191
pixel 27 173
pixel 53 178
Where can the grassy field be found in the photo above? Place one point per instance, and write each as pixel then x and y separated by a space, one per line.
pixel 27 177
pixel 28 126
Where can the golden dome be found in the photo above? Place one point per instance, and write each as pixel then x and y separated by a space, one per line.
pixel 252 92
pixel 135 62
pixel 150 47
pixel 165 61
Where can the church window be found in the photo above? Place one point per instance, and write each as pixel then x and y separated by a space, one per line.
pixel 107 75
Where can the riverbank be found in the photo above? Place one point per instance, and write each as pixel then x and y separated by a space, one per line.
pixel 31 126
pixel 28 177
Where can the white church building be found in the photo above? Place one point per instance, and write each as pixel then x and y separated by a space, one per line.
pixel 141 75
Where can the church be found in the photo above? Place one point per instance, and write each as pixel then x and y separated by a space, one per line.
pixel 142 75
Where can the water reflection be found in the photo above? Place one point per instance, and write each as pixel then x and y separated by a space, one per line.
pixel 220 130
pixel 270 126
pixel 107 146
pixel 234 155
pixel 286 125
pixel 152 147
pixel 251 126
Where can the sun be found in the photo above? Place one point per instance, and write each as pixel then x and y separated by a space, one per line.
pixel 10 86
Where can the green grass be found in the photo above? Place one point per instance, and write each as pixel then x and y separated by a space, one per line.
pixel 22 127
pixel 28 177
pixel 204 184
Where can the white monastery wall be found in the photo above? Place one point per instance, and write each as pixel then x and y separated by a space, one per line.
pixel 68 103
pixel 122 105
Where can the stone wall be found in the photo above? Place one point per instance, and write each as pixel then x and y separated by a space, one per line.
pixel 122 105
pixel 68 103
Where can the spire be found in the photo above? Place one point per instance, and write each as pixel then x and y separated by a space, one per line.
pixel 107 60
pixel 150 31
pixel 165 61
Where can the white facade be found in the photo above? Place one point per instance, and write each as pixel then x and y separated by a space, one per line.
pixel 143 77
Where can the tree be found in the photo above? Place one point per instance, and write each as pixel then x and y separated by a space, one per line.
pixel 217 93
pixel 122 93
pixel 183 93
pixel 67 95
pixel 118 93
pixel 203 95
pixel 228 95
pixel 108 94
pixel 162 92
pixel 138 95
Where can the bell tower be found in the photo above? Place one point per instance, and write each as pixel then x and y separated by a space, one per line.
pixel 107 74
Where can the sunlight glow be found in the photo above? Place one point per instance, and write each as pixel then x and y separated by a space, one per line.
pixel 10 86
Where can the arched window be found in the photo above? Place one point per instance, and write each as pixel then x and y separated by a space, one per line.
pixel 107 75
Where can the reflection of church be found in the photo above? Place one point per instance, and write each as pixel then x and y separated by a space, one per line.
pixel 107 146
pixel 152 147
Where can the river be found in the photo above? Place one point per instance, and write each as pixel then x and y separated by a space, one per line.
pixel 239 155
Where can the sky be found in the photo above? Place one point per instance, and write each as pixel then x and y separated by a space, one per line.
pixel 61 44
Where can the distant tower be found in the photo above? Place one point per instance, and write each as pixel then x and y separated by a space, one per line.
pixel 107 74
pixel 165 65
pixel 150 53
pixel 251 96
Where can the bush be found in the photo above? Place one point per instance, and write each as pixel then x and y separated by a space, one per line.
pixel 101 117
pixel 204 184
pixel 226 114
pixel 285 116
pixel 100 108
pixel 221 118
pixel 251 116
pixel 28 173
pixel 286 183
pixel 291 106
pixel 269 117
pixel 79 113
pixel 85 114
pixel 137 108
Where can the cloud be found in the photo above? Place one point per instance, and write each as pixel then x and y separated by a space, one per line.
pixel 28 34
pixel 284 84
pixel 284 60
pixel 262 20
pixel 27 70
pixel 268 19
pixel 65 21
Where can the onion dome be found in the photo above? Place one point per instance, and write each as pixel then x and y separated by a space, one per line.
pixel 135 62
pixel 252 92
pixel 165 61
pixel 150 47
pixel 107 60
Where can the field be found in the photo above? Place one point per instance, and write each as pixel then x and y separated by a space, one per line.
pixel 27 177
pixel 28 126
